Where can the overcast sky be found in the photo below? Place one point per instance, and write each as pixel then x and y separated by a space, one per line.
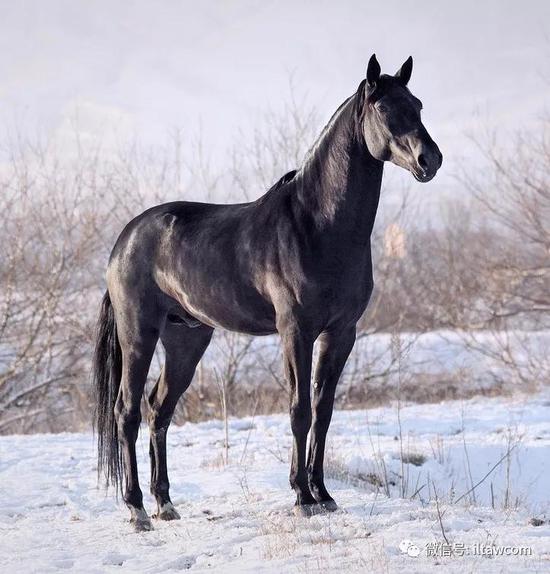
pixel 128 68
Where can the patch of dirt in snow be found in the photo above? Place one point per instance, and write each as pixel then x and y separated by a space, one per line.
pixel 401 478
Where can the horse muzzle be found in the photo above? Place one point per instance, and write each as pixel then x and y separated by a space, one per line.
pixel 428 161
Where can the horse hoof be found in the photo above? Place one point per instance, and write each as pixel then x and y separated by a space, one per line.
pixel 167 512
pixel 328 505
pixel 307 510
pixel 143 525
pixel 140 520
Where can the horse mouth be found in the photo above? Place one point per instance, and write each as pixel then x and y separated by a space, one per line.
pixel 423 177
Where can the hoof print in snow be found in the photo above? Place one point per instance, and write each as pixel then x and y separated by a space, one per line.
pixel 115 559
pixel 181 563
pixel 210 516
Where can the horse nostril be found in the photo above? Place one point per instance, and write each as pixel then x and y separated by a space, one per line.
pixel 422 161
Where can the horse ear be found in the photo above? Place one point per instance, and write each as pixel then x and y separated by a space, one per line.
pixel 373 72
pixel 404 73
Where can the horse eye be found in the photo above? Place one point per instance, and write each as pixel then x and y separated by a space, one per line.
pixel 382 108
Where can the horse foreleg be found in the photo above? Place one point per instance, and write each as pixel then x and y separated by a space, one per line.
pixel 297 355
pixel 335 348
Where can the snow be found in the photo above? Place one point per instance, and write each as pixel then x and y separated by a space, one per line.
pixel 237 517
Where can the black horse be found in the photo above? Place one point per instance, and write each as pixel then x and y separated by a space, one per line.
pixel 295 262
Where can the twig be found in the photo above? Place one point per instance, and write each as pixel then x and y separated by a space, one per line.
pixel 503 457
pixel 439 515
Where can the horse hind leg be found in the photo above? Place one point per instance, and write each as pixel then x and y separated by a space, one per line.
pixel 138 339
pixel 184 347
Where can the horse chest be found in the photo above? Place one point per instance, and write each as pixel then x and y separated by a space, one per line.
pixel 344 290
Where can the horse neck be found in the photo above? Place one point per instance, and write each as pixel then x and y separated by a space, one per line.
pixel 339 182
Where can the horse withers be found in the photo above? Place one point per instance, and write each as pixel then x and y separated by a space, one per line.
pixel 296 262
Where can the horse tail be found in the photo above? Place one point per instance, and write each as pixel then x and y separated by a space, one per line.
pixel 106 373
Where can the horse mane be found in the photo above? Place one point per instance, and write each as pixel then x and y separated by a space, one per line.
pixel 319 147
pixel 356 101
pixel 284 180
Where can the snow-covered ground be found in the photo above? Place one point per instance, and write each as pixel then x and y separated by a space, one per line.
pixel 236 517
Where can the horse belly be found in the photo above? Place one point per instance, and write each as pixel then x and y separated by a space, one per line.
pixel 254 318
pixel 222 304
